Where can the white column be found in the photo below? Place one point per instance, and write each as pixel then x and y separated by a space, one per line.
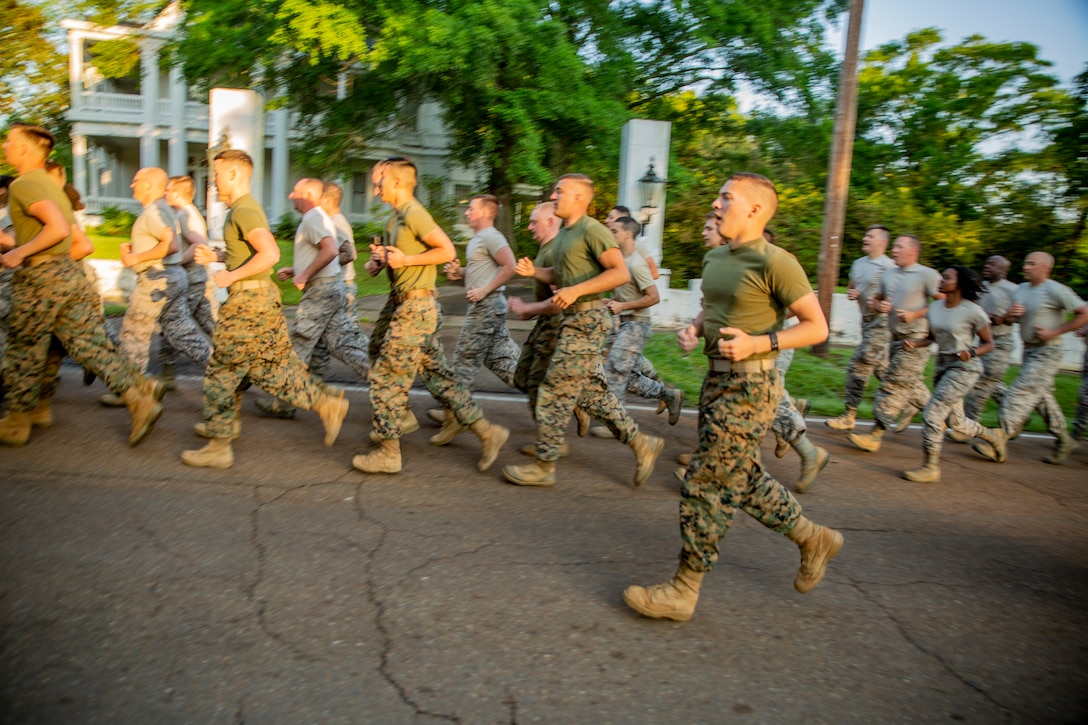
pixel 75 70
pixel 281 164
pixel 79 163
pixel 149 91
pixel 641 141
pixel 178 164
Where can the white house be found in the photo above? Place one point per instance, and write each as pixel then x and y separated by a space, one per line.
pixel 153 119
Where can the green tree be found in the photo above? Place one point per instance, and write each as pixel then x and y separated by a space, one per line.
pixel 33 74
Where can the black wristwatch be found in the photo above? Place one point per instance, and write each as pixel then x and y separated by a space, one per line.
pixel 774 341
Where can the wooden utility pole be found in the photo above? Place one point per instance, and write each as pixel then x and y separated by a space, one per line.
pixel 838 172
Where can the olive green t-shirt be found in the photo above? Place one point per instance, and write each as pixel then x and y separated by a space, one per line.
pixel 405 230
pixel 578 249
pixel 30 188
pixel 244 216
pixel 750 288
pixel 543 291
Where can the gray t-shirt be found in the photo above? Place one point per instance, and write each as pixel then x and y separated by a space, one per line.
pixel 865 276
pixel 996 300
pixel 909 288
pixel 955 328
pixel 315 226
pixel 155 217
pixel 345 242
pixel 190 221
pixel 1046 305
pixel 632 290
pixel 480 264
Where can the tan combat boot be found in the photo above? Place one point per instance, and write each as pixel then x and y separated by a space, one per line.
pixel 674 397
pixel 275 408
pixel 583 421
pixel 529 449
pixel 142 400
pixel 438 415
pixel 675 599
pixel 781 446
pixel 201 429
pixel 818 545
pixel 813 460
pixel 15 428
pixel 802 405
pixel 929 473
pixel 993 446
pixel 868 441
pixel 600 431
pixel 42 416
pixel 955 436
pixel 904 421
pixel 386 459
pixel 112 400
pixel 845 421
pixel 169 376
pixel 1065 445
pixel 684 459
pixel 451 428
pixel 492 437
pixel 537 473
pixel 333 408
pixel 217 454
pixel 408 424
pixel 647 448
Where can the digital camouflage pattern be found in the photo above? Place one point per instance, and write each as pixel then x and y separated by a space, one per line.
pixel 952 381
pixel 576 377
pixel 788 423
pixel 159 298
pixel 903 385
pixel 55 299
pixel 5 309
pixel 624 365
pixel 991 384
pixel 250 341
pixel 535 357
pixel 411 346
pixel 485 342
pixel 726 471
pixel 322 318
pixel 1034 389
pixel 870 358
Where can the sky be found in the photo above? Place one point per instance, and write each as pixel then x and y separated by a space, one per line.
pixel 1058 27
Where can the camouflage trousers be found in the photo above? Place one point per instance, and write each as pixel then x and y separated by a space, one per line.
pixel 52 303
pixel 1034 389
pixel 250 341
pixel 485 342
pixel 535 357
pixel 411 346
pixel 903 385
pixel 870 358
pixel 952 381
pixel 992 382
pixel 322 319
pixel 788 423
pixel 203 307
pixel 159 298
pixel 726 471
pixel 575 377
pixel 625 362
pixel 1080 424
pixel 5 309
pixel 319 361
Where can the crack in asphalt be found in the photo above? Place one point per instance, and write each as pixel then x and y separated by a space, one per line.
pixel 906 635
pixel 385 667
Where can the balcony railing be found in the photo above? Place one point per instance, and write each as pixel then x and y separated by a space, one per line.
pixel 97 204
pixel 122 103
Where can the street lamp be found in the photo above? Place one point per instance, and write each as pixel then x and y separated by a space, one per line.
pixel 651 186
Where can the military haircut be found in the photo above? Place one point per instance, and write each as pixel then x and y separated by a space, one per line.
pixel 915 241
pixel 628 224
pixel 314 187
pixel 236 158
pixel 1046 257
pixel 402 168
pixel 764 186
pixel 183 185
pixel 624 211
pixel 489 202
pixel 37 136
pixel 582 179
pixel 885 232
pixel 332 192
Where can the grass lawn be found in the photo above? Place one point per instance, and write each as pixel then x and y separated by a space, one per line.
pixel 822 380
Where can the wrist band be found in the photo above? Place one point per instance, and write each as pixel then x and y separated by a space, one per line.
pixel 774 341
pixel 974 352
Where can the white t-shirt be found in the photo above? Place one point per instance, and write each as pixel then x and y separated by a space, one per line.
pixel 315 226
pixel 345 237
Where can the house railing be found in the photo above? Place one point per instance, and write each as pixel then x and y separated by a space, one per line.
pixel 97 204
pixel 125 103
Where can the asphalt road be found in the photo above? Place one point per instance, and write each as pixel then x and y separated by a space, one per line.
pixel 293 589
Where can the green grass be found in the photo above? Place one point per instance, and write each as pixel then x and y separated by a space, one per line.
pixel 106 247
pixel 822 380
